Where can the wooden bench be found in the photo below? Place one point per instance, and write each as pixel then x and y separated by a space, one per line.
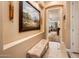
pixel 38 50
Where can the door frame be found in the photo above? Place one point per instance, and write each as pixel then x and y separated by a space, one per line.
pixel 60 7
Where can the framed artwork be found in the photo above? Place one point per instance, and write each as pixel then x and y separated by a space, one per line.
pixel 11 11
pixel 29 17
pixel 53 26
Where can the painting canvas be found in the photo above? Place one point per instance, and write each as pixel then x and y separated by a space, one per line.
pixel 29 17
pixel 53 26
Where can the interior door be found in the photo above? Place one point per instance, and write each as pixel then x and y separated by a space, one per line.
pixel 54 14
pixel 74 26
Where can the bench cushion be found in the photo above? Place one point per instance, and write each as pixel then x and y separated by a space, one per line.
pixel 39 49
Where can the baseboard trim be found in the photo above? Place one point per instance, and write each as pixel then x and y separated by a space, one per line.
pixel 9 45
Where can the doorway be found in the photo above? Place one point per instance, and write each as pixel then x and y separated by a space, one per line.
pixel 54 23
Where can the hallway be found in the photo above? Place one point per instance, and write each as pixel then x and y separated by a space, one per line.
pixel 39 29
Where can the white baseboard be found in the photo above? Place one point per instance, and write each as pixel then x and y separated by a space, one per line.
pixel 9 45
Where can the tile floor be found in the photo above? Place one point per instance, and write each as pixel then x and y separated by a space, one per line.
pixel 56 50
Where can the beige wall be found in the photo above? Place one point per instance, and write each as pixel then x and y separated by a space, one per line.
pixel 10 29
pixel 11 32
pixel 0 27
pixel 67 25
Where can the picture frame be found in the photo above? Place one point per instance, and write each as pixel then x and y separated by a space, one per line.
pixel 11 11
pixel 29 17
pixel 53 26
